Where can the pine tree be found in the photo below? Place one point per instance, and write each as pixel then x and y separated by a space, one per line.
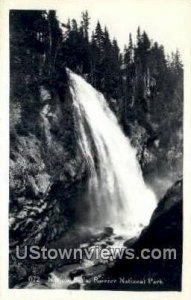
pixel 99 36
pixel 85 24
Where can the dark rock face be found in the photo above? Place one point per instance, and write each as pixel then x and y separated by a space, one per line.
pixel 164 232
pixel 46 174
pixel 165 227
pixel 172 198
pixel 161 160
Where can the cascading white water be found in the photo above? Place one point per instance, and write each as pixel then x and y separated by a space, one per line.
pixel 117 194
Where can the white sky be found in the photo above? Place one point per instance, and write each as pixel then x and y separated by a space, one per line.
pixel 164 21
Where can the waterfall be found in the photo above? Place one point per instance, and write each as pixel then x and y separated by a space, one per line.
pixel 116 193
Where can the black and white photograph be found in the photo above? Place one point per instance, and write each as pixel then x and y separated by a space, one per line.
pixel 96 106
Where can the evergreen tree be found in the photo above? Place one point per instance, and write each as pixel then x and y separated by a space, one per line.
pixel 85 24
pixel 99 36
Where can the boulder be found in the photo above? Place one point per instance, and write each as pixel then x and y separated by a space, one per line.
pixel 108 230
pixel 74 286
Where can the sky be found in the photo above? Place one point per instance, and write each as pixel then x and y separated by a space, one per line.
pixel 164 21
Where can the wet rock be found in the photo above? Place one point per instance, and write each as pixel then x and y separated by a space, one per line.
pixel 96 269
pixel 110 242
pixel 129 242
pixel 118 238
pixel 171 198
pixel 108 231
pixel 74 286
pixel 103 245
pixel 76 273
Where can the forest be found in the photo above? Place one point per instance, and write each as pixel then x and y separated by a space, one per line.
pixel 142 84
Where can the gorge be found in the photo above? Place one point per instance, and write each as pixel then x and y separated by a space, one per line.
pixel 95 152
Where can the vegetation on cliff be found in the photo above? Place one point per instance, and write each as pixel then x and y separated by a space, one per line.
pixel 142 84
